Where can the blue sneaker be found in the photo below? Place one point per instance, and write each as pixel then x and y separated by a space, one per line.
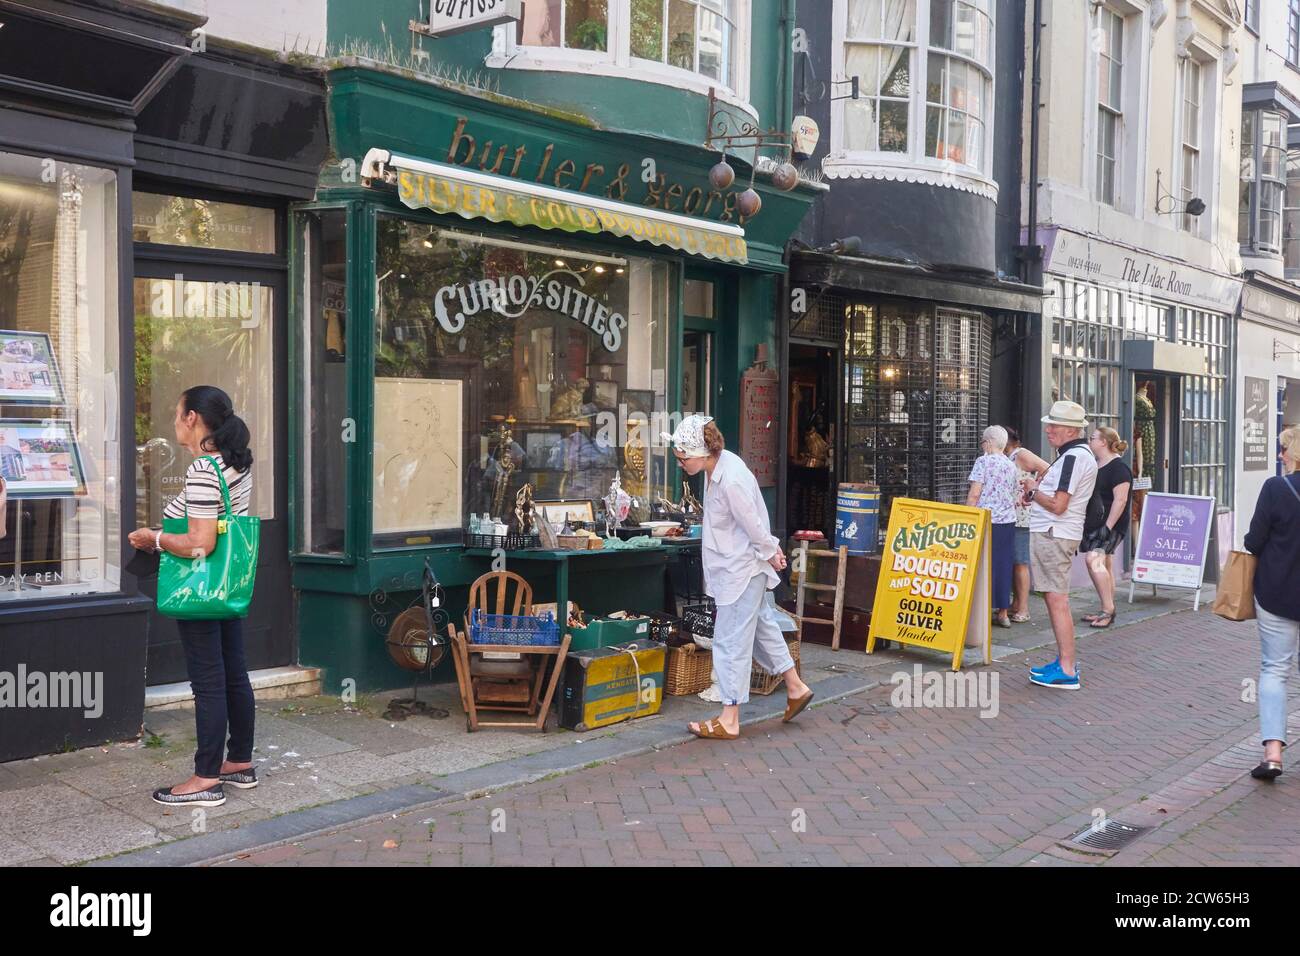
pixel 1044 667
pixel 1056 678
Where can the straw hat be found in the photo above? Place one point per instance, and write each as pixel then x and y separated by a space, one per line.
pixel 1069 414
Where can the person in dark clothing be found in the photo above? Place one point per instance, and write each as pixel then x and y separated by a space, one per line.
pixel 1274 538
pixel 1114 481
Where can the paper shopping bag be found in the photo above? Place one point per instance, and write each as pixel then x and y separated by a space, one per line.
pixel 1235 598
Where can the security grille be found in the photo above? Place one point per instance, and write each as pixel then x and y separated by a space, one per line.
pixel 822 318
pixel 916 397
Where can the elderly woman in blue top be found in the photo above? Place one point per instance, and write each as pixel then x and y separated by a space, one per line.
pixel 741 559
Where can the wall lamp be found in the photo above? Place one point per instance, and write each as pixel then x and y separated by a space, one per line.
pixel 1168 204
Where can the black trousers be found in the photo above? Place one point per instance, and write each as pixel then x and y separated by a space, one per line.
pixel 223 696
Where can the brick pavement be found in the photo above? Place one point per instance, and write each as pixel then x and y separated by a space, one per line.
pixel 875 784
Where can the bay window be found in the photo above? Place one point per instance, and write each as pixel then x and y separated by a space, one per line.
pixel 925 79
pixel 1291 217
pixel 695 44
pixel 1262 183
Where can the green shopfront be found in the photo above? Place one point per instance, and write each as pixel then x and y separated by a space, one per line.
pixel 489 293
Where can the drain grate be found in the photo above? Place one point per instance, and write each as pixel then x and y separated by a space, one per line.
pixel 1109 838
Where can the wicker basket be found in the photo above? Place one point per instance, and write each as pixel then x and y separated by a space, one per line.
pixel 687 670
pixel 579 542
pixel 764 682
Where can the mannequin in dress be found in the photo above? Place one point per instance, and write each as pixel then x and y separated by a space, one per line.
pixel 1144 433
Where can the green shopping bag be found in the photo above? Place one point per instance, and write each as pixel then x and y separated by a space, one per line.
pixel 220 585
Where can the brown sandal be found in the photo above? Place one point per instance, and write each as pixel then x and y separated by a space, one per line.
pixel 794 707
pixel 712 730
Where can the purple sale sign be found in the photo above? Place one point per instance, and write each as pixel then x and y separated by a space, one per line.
pixel 1173 539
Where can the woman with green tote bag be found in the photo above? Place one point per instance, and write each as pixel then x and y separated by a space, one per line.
pixel 205 582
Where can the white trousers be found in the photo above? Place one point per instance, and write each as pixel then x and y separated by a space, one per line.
pixel 747 631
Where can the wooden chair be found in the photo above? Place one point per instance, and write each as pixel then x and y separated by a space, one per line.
pixel 504 677
pixel 490 593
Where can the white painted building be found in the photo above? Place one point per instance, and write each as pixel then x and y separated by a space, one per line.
pixel 1268 354
pixel 1137 202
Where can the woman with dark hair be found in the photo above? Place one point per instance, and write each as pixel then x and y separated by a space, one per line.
pixel 207 426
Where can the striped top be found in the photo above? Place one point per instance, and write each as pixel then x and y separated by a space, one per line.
pixel 203 490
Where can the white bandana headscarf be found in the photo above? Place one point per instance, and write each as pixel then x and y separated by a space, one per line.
pixel 689 437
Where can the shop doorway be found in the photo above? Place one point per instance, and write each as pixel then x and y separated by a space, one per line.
pixel 214 316
pixel 1154 438
pixel 811 438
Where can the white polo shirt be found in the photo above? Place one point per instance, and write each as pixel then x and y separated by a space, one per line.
pixel 1075 471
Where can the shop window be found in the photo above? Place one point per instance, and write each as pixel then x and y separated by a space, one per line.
pixel 916 395
pixel 327 427
pixel 201 333
pixel 501 363
pixel 60 434
pixel 206 224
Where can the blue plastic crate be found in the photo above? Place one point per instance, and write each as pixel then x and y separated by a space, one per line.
pixel 539 631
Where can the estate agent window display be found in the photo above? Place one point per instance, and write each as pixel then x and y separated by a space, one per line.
pixel 59 381
pixel 502 362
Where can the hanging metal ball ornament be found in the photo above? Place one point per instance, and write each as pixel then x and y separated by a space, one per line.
pixel 721 176
pixel 785 177
pixel 749 203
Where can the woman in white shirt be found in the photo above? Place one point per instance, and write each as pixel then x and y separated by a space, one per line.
pixel 741 559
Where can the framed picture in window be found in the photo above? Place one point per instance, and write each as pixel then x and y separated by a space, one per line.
pixel 639 402
pixel 606 395
pixel 40 459
pixel 540 447
pixel 29 374
pixel 580 509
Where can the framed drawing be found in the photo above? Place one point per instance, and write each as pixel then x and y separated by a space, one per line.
pixel 29 374
pixel 418 454
pixel 557 511
pixel 40 459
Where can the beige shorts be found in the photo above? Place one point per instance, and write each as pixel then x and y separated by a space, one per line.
pixel 1049 561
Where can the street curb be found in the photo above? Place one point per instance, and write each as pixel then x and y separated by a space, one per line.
pixel 479 781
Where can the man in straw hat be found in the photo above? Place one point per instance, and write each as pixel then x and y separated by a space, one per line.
pixel 1058 506
pixel 741 559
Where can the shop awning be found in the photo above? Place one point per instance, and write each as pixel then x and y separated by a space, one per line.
pixel 423 184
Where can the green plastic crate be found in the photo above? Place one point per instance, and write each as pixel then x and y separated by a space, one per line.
pixel 603 631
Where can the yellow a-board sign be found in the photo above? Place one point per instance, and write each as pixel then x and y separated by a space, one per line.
pixel 933 589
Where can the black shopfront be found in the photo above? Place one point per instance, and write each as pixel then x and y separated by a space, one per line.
pixel 144 183
pixel 898 372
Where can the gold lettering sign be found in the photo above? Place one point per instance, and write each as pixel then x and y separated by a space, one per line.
pixel 471 201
